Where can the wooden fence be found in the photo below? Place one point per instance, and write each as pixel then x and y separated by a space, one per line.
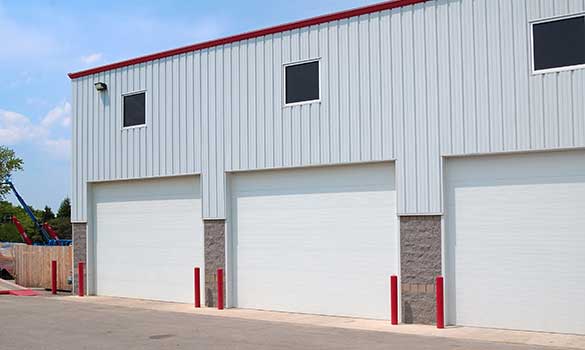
pixel 32 266
pixel 6 257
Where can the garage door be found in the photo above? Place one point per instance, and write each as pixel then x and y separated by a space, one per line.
pixel 320 240
pixel 149 236
pixel 516 241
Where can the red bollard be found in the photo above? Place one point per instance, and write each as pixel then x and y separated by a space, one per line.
pixel 197 288
pixel 220 289
pixel 394 299
pixel 440 303
pixel 80 276
pixel 54 277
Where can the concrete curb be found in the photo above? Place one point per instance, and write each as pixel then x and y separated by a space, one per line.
pixel 468 333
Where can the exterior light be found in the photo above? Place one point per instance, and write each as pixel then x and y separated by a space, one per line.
pixel 100 86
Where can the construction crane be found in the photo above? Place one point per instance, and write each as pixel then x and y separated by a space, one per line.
pixel 19 228
pixel 49 235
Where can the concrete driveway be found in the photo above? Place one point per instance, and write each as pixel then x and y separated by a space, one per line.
pixel 56 323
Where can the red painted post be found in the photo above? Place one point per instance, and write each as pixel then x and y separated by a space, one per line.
pixel 394 299
pixel 54 277
pixel 220 289
pixel 80 276
pixel 440 303
pixel 197 288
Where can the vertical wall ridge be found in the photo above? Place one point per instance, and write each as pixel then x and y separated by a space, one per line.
pixel 411 84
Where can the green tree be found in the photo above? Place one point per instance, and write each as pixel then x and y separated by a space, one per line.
pixel 62 223
pixel 8 232
pixel 9 163
pixel 64 209
pixel 62 226
pixel 47 214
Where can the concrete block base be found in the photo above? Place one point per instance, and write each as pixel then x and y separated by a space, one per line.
pixel 420 256
pixel 214 258
pixel 79 233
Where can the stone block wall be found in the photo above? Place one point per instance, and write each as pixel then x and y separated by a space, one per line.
pixel 79 252
pixel 214 258
pixel 420 264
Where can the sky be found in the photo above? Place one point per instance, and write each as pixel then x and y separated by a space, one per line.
pixel 42 41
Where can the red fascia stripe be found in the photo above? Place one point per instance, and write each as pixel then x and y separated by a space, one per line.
pixel 249 35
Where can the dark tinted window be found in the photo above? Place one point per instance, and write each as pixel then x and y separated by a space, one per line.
pixel 134 110
pixel 302 82
pixel 559 43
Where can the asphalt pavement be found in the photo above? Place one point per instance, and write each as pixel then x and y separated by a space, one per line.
pixel 49 323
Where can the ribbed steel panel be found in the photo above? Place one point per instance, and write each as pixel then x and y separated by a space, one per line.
pixel 412 84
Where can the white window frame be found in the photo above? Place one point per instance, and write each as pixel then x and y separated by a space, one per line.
pixel 296 63
pixel 130 93
pixel 546 20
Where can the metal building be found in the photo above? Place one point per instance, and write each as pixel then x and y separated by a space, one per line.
pixel 313 160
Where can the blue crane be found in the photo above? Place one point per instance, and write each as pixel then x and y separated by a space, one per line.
pixel 40 228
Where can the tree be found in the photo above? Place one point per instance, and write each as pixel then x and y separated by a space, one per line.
pixel 64 209
pixel 9 163
pixel 8 232
pixel 62 223
pixel 47 214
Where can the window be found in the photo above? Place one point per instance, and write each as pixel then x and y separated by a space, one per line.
pixel 301 82
pixel 134 109
pixel 558 43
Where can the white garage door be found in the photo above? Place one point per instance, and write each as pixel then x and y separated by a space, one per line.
pixel 149 237
pixel 516 241
pixel 321 240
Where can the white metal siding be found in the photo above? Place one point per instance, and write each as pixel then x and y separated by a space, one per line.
pixel 515 241
pixel 411 84
pixel 148 238
pixel 298 238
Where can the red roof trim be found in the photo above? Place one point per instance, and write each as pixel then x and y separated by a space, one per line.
pixel 249 35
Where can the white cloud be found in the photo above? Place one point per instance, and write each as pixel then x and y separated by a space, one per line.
pixel 16 128
pixel 91 58
pixel 12 118
pixel 60 115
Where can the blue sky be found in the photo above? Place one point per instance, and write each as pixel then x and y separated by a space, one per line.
pixel 41 41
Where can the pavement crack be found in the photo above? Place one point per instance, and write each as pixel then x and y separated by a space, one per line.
pixel 161 336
